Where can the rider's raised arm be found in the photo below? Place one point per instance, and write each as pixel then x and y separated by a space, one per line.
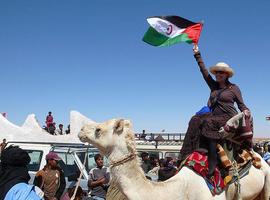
pixel 207 77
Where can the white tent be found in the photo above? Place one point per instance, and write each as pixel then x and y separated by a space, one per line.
pixel 31 131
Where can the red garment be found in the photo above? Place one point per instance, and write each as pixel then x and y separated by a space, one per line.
pixel 49 120
pixel 198 162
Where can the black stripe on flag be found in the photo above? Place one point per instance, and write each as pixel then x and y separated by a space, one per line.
pixel 178 21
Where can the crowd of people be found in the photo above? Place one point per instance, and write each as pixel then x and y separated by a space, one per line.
pixel 50 184
pixel 50 126
pixel 159 169
pixel 263 149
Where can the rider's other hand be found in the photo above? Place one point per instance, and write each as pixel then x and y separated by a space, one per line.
pixel 247 113
pixel 195 48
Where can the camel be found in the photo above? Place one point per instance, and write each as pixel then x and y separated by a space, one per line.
pixel 115 139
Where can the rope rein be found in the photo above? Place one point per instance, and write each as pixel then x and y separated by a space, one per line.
pixel 237 182
pixel 80 177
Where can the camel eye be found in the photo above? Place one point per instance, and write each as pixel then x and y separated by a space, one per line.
pixel 98 132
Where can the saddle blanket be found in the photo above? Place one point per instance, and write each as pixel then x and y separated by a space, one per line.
pixel 198 162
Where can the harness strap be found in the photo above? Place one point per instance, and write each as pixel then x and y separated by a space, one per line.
pixel 123 160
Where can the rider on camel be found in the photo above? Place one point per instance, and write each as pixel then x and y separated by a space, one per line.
pixel 203 130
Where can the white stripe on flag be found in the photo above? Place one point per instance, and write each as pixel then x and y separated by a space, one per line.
pixel 164 27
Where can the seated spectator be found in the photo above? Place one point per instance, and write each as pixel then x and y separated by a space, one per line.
pixel 14 176
pixel 68 130
pixel 51 129
pixel 60 130
pixel 99 178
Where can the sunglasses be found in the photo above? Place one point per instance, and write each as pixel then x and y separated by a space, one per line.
pixel 219 72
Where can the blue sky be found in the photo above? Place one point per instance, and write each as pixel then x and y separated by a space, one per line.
pixel 88 55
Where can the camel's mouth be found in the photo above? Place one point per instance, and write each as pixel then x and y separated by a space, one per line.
pixel 83 137
pixel 86 138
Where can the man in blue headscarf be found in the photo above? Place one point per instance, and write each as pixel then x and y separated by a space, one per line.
pixel 14 176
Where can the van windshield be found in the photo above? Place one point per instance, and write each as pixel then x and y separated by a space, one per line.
pixel 90 161
pixel 35 156
pixel 68 164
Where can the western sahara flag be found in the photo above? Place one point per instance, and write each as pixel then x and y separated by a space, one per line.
pixel 169 30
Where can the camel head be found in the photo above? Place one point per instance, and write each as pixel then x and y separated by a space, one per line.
pixel 106 136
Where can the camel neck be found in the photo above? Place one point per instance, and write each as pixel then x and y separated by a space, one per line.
pixel 133 184
pixel 129 174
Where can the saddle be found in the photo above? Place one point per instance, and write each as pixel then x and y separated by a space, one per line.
pixel 228 171
pixel 238 131
pixel 238 163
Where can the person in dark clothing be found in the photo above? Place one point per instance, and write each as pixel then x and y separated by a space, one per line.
pixel 203 129
pixel 3 145
pixel 52 128
pixel 167 170
pixel 146 164
pixel 68 129
pixel 51 178
pixel 14 175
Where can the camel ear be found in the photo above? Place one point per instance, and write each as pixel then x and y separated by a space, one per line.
pixel 128 124
pixel 119 126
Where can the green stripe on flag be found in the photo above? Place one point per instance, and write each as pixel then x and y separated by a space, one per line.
pixel 155 38
pixel 180 38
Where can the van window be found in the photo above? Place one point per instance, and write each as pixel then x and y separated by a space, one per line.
pixel 36 156
pixel 152 154
pixel 81 156
pixel 68 164
pixel 172 154
pixel 91 160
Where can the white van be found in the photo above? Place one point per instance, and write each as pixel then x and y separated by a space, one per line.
pixel 72 156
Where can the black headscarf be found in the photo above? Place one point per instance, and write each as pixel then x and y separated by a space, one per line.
pixel 13 169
